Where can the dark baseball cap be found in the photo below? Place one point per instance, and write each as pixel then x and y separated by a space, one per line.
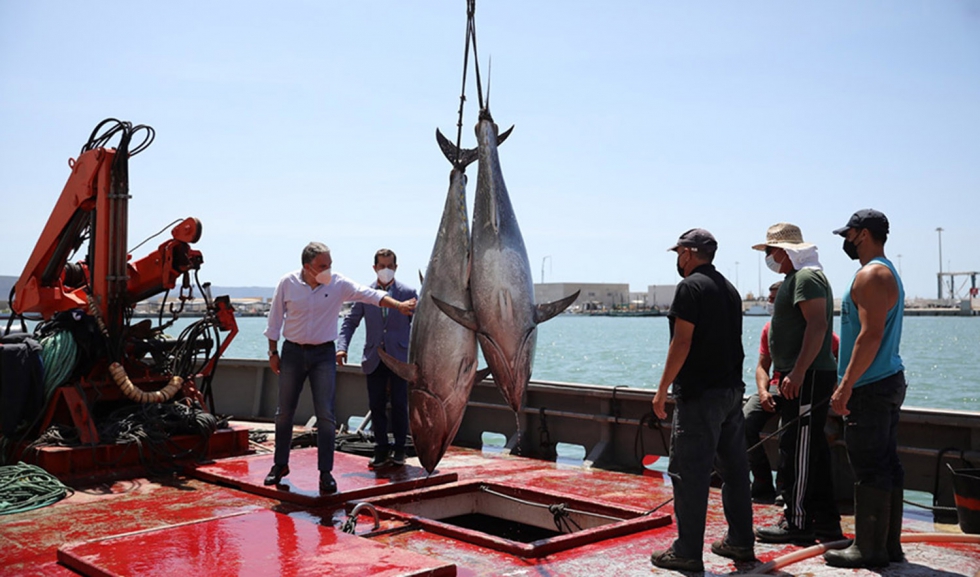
pixel 696 238
pixel 868 218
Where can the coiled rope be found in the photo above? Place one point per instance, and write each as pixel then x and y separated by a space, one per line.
pixel 26 487
pixel 59 355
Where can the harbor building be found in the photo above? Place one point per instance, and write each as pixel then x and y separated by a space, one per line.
pixel 659 296
pixel 593 296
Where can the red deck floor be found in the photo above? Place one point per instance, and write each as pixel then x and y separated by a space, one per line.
pixel 29 541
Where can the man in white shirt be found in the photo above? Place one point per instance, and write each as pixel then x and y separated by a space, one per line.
pixel 305 309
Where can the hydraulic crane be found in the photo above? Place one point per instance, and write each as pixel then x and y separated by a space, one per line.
pixel 133 361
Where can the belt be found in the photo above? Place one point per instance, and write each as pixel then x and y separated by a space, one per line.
pixel 302 346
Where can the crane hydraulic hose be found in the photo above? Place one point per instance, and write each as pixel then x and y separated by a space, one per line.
pixel 134 393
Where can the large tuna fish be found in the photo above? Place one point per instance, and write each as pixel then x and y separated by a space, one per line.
pixel 503 314
pixel 442 359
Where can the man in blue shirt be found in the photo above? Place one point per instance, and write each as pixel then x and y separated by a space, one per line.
pixel 870 393
pixel 304 310
pixel 389 333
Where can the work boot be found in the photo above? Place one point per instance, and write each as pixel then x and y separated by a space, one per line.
pixel 872 507
pixel 276 474
pixel 380 458
pixel 894 541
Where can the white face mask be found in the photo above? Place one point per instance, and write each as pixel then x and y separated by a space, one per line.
pixel 324 276
pixel 772 264
pixel 386 275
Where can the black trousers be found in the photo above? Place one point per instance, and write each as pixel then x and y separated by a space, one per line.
pixel 804 454
pixel 384 385
pixel 871 432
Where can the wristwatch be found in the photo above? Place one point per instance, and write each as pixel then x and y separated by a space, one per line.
pixel 273 353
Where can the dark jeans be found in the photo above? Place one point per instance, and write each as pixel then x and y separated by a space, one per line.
pixel 756 419
pixel 709 430
pixel 296 363
pixel 804 454
pixel 871 432
pixel 382 382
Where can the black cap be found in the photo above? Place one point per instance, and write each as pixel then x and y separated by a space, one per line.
pixel 696 238
pixel 868 218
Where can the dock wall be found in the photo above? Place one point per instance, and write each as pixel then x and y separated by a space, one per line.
pixel 614 425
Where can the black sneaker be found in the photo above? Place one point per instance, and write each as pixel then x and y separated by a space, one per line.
pixel 668 560
pixel 276 474
pixel 785 532
pixel 732 552
pixel 398 458
pixel 380 459
pixel 327 483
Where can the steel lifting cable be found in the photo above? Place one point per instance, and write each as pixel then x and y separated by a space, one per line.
pixel 561 511
pixel 470 39
pixel 26 487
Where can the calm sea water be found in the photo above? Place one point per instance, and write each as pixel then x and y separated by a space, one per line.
pixel 941 357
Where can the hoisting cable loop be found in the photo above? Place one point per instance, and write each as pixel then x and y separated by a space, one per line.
pixel 562 507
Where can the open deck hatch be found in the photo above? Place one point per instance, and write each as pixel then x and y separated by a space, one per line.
pixel 520 521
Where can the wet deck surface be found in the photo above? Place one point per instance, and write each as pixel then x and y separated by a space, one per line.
pixel 29 542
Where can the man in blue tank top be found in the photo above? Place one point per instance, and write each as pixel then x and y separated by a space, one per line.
pixel 871 392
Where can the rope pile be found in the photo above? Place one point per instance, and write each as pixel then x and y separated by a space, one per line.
pixel 27 487
pixel 147 427
pixel 59 354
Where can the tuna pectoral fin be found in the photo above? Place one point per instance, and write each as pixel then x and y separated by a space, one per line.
pixel 465 318
pixel 409 372
pixel 548 310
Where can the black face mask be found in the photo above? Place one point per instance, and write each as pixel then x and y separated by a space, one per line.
pixel 680 269
pixel 850 249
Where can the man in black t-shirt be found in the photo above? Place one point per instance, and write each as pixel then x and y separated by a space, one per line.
pixel 704 364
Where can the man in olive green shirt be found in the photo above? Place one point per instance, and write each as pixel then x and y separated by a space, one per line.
pixel 800 343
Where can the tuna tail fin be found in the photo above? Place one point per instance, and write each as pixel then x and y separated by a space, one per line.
pixel 546 311
pixel 409 372
pixel 466 155
pixel 463 317
pixel 457 157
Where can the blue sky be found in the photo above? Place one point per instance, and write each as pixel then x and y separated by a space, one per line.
pixel 278 124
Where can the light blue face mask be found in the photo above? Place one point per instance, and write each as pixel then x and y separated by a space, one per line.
pixel 772 264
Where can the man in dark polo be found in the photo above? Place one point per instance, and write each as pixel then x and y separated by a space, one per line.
pixel 704 364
